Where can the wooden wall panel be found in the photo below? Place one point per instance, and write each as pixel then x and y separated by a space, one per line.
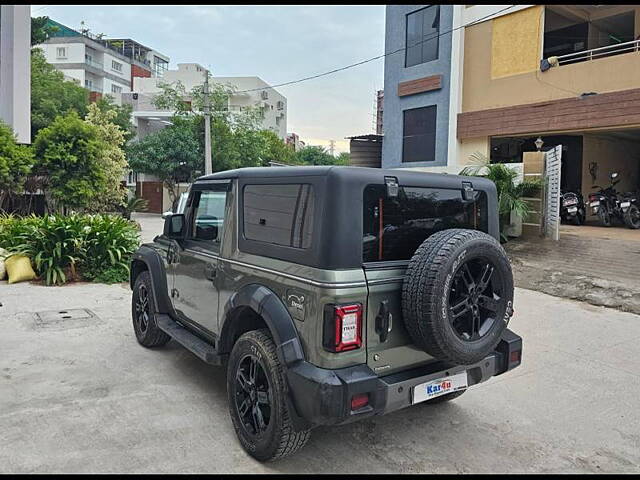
pixel 425 84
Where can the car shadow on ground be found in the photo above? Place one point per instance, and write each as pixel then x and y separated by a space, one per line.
pixel 389 438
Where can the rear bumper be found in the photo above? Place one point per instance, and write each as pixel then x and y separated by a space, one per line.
pixel 323 397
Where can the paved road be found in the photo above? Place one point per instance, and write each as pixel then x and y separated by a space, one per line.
pixel 83 396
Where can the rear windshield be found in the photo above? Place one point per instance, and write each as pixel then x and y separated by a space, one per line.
pixel 394 227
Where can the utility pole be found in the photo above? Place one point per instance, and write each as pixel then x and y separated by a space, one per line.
pixel 332 146
pixel 208 167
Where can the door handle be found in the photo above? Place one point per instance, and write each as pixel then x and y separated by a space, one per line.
pixel 210 271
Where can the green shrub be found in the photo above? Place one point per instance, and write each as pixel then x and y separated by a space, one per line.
pixel 100 245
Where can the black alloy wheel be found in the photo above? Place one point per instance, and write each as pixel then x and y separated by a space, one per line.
pixel 142 312
pixel 475 298
pixel 253 395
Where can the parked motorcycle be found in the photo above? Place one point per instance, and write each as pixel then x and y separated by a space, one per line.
pixel 605 204
pixel 630 210
pixel 572 208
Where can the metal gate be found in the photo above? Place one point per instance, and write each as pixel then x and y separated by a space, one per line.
pixel 552 164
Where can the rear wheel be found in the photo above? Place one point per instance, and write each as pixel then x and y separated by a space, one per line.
pixel 632 217
pixel 257 390
pixel 604 216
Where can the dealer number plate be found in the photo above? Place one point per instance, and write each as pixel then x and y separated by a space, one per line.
pixel 594 204
pixel 442 386
pixel 572 209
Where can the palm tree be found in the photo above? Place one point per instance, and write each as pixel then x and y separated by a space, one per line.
pixel 510 194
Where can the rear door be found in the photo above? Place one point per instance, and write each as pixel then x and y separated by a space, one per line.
pixel 394 227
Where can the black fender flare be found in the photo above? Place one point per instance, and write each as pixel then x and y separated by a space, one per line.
pixel 270 307
pixel 148 257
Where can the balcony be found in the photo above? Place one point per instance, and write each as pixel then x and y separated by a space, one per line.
pixel 93 63
pixel 595 53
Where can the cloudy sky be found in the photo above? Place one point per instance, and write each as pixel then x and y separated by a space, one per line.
pixel 276 43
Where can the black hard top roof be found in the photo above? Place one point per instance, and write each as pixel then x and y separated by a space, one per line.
pixel 366 174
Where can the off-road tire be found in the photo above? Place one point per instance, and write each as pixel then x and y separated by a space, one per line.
pixel 279 439
pixel 427 286
pixel 152 336
pixel 629 217
pixel 604 216
pixel 446 397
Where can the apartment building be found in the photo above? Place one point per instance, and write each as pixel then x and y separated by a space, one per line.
pixel 103 66
pixel 514 74
pixel 250 92
pixel 15 71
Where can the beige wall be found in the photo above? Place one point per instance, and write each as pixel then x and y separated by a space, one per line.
pixel 166 199
pixel 481 91
pixel 611 155
pixel 470 146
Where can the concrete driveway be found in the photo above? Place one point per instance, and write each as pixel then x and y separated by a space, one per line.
pixel 80 395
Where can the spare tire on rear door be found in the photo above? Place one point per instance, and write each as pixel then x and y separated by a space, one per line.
pixel 457 296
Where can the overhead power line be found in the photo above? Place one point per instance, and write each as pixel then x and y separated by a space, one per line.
pixel 324 74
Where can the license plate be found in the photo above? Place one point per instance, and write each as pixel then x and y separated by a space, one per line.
pixel 572 209
pixel 442 386
pixel 594 204
pixel 625 204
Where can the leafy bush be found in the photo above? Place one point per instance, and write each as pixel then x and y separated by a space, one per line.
pixel 95 246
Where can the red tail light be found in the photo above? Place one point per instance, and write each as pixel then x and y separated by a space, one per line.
pixel 342 327
pixel 360 400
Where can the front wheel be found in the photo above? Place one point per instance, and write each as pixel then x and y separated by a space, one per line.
pixel 143 313
pixel 256 388
pixel 632 217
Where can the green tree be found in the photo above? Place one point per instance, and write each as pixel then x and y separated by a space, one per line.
pixel 510 192
pixel 122 117
pixel 173 154
pixel 113 159
pixel 70 152
pixel 236 138
pixel 15 164
pixel 315 155
pixel 343 158
pixel 51 95
pixel 276 150
pixel 40 30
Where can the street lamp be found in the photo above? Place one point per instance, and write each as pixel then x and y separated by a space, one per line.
pixel 539 143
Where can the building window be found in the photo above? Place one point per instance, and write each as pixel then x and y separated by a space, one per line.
pixel 88 83
pixel 423 28
pixel 116 89
pixel 419 135
pixel 117 66
pixel 61 52
pixel 132 178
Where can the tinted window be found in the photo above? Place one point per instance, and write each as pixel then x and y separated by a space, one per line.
pixel 279 214
pixel 208 215
pixel 394 227
pixel 419 135
pixel 423 28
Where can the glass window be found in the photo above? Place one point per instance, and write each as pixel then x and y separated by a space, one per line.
pixel 279 214
pixel 116 89
pixel 116 66
pixel 423 29
pixel 394 227
pixel 419 134
pixel 208 215
pixel 61 52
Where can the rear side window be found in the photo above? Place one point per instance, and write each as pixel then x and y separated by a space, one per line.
pixel 279 214
pixel 394 227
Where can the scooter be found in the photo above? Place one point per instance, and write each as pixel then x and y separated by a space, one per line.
pixel 572 208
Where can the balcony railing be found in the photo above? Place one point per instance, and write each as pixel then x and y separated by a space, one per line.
pixel 93 63
pixel 595 53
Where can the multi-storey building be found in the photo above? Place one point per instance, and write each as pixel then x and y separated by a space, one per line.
pixel 494 78
pixel 15 72
pixel 103 66
pixel 250 92
pixel 293 139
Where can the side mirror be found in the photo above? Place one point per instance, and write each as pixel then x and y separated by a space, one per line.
pixel 174 226
pixel 167 213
